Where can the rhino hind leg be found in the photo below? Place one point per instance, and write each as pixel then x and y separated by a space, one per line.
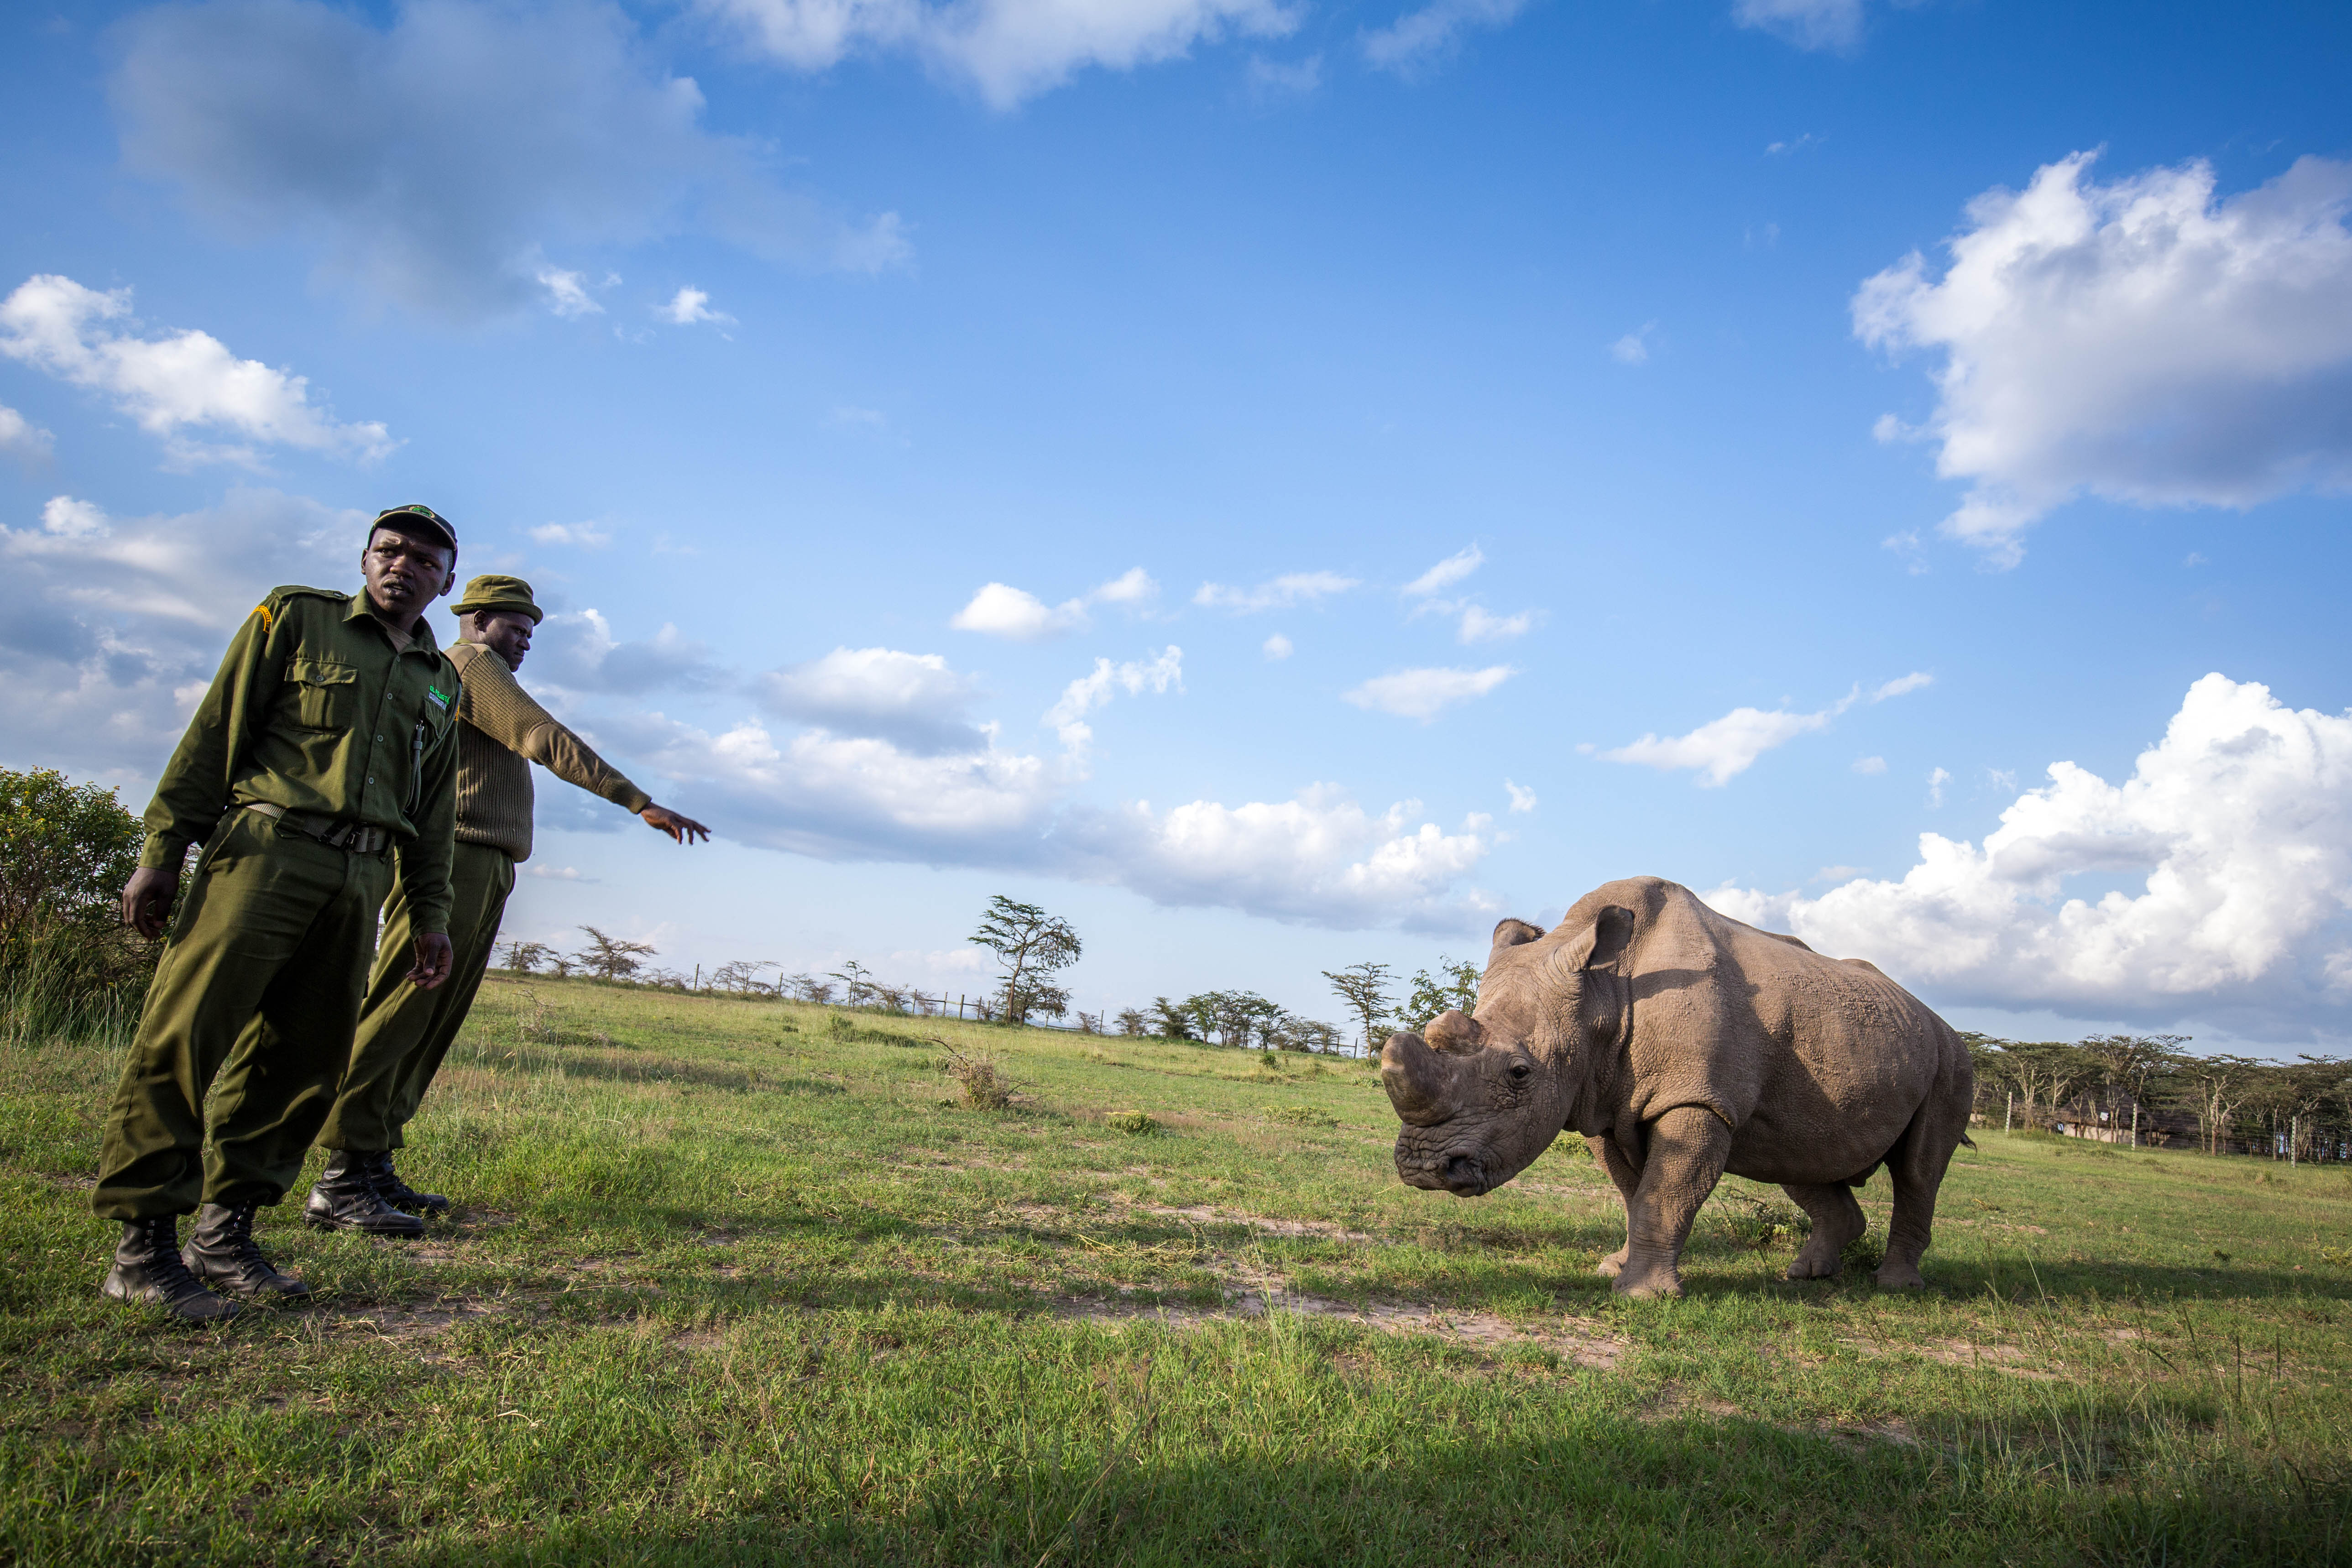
pixel 1837 1223
pixel 1684 1157
pixel 1918 1163
pixel 1627 1178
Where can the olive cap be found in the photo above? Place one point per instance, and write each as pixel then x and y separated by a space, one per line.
pixel 416 514
pixel 496 591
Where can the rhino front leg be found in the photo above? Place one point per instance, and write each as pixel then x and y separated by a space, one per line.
pixel 1686 1149
pixel 1837 1221
pixel 1627 1176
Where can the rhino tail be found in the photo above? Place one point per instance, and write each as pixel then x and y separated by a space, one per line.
pixel 1966 1142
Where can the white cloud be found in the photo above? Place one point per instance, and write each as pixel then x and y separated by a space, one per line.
pixel 689 306
pixel 111 627
pixel 1132 586
pixel 1808 24
pixel 1276 647
pixel 2241 820
pixel 1319 859
pixel 546 872
pixel 1477 625
pixel 1447 573
pixel 578 652
pixel 913 700
pixel 1936 779
pixel 1423 694
pixel 1792 145
pixel 1522 798
pixel 1006 49
pixel 2139 340
pixel 1902 685
pixel 1001 610
pixel 1837 873
pixel 1633 348
pixel 174 384
pixel 567 292
pixel 1296 588
pixel 1092 690
pixel 1298 78
pixel 21 438
pixel 519 126
pixel 1420 37
pixel 1723 748
pixel 579 535
pixel 1870 764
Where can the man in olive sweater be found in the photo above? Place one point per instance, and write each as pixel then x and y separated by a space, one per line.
pixel 404 1029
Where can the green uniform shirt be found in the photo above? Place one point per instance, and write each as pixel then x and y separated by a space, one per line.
pixel 316 709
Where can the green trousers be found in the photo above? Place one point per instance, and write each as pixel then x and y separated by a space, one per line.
pixel 259 986
pixel 404 1032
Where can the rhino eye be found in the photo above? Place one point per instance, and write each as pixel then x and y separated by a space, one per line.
pixel 1519 1071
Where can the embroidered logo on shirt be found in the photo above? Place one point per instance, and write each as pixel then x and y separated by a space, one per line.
pixel 438 696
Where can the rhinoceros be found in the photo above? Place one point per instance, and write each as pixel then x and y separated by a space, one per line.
pixel 1683 1044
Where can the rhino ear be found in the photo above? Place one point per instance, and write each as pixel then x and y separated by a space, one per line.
pixel 1599 944
pixel 1512 933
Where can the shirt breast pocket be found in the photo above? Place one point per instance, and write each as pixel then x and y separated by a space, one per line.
pixel 326 694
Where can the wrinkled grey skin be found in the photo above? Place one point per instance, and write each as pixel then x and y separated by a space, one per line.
pixel 1683 1044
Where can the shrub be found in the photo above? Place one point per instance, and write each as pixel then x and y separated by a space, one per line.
pixel 67 965
pixel 1138 1123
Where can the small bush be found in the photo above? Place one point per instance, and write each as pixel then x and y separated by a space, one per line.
pixel 1304 1115
pixel 984 1087
pixel 1138 1123
pixel 67 965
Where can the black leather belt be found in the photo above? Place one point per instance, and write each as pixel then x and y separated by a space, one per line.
pixel 357 838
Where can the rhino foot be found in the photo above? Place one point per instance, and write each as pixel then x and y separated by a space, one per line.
pixel 1613 1265
pixel 1810 1267
pixel 1648 1284
pixel 1899 1275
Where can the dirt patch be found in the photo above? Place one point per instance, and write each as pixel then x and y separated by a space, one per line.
pixel 1981 1355
pixel 1322 1230
pixel 1582 1342
pixel 398 1323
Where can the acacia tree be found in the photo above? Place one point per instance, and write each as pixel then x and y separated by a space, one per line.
pixel 525 957
pixel 1454 988
pixel 2215 1087
pixel 2127 1062
pixel 610 958
pixel 1032 946
pixel 2046 1070
pixel 1170 1021
pixel 1364 987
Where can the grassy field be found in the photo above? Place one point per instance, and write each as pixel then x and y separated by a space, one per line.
pixel 751 1282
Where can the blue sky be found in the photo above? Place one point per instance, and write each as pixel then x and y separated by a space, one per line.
pixel 1280 484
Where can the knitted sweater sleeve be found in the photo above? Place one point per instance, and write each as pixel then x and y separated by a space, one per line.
pixel 496 705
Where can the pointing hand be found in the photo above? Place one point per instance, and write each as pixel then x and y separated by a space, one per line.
pixel 684 830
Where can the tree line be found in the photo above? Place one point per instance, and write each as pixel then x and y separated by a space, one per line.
pixel 2145 1091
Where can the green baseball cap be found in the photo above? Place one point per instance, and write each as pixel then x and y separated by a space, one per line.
pixel 496 591
pixel 416 515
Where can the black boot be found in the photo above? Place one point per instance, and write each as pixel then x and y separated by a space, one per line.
pixel 346 1199
pixel 148 1267
pixel 399 1194
pixel 220 1251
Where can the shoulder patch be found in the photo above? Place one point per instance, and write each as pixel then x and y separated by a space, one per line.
pixel 267 616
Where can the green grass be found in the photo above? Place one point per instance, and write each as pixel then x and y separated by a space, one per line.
pixel 735 1282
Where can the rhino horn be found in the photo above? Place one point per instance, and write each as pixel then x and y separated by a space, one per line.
pixel 1416 1078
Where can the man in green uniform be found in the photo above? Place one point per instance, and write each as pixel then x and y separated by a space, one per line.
pixel 319 768
pixel 405 1028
